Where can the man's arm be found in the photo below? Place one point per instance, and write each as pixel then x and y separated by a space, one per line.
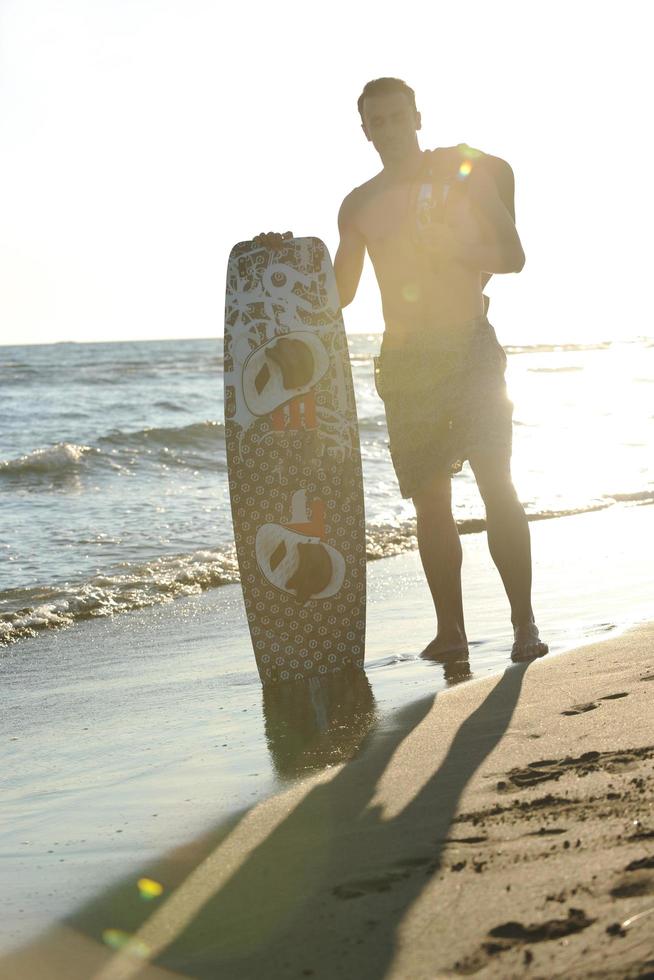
pixel 488 191
pixel 491 188
pixel 348 262
pixel 501 174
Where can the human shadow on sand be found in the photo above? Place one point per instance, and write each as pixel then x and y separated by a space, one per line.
pixel 315 888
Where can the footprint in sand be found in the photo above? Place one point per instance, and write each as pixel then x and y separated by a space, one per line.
pixel 641 864
pixel 384 882
pixel 413 862
pixel 357 889
pixel 637 883
pixel 580 709
pixel 632 889
pixel 507 936
pixel 642 834
pixel 548 769
pixel 465 840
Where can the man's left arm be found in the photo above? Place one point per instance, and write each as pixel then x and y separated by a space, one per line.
pixel 490 188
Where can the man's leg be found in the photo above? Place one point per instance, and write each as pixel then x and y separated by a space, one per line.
pixel 510 546
pixel 441 555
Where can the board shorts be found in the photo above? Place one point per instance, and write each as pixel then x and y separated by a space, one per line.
pixel 445 399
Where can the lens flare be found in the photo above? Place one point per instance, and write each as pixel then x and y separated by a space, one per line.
pixel 411 292
pixel 119 940
pixel 464 169
pixel 149 889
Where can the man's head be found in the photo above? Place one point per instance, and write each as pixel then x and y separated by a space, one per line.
pixel 389 118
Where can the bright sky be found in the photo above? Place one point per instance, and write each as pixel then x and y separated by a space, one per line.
pixel 140 139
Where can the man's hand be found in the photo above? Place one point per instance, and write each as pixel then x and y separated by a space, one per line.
pixel 272 239
pixel 441 242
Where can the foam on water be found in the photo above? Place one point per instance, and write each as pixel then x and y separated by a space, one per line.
pixel 28 612
pixel 121 590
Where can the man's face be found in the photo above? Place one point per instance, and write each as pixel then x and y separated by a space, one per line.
pixel 390 124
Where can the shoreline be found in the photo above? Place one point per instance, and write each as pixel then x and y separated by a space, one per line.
pixel 170 577
pixel 506 826
pixel 396 542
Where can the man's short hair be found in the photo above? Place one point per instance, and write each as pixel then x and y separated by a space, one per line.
pixel 386 86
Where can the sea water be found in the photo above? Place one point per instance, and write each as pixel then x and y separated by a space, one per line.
pixel 113 478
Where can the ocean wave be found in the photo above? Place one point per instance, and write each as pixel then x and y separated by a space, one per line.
pixel 14 373
pixel 555 348
pixel 385 540
pixel 638 496
pixel 132 586
pixel 556 370
pixel 199 434
pixel 83 370
pixel 357 338
pixel 64 457
pixel 127 588
pixel 201 440
pixel 171 406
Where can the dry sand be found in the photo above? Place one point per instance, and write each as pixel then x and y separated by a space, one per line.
pixel 504 829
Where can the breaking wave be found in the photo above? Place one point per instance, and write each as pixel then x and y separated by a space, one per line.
pixel 61 458
pixel 129 587
pixel 134 586
pixel 170 443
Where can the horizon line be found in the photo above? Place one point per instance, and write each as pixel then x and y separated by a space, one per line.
pixel 549 342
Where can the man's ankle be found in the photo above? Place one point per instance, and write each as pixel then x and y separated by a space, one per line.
pixel 520 622
pixel 451 631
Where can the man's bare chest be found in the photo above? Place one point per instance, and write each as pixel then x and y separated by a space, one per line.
pixel 388 219
pixel 384 217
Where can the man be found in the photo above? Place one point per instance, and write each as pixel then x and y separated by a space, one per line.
pixel 436 227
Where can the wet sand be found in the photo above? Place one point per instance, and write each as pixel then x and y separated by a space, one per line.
pixel 504 828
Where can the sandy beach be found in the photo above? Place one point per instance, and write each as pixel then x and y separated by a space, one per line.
pixel 502 827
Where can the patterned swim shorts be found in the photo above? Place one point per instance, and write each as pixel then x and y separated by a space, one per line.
pixel 445 398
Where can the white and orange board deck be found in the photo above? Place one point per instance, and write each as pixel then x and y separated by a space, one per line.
pixel 294 461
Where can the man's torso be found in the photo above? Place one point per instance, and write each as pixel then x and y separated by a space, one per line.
pixel 419 293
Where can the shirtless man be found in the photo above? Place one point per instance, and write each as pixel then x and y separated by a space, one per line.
pixel 441 368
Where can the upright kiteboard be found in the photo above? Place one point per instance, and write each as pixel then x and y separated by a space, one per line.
pixel 294 461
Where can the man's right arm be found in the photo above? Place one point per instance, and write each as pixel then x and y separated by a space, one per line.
pixel 348 262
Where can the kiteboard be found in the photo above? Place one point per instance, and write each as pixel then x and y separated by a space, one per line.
pixel 294 461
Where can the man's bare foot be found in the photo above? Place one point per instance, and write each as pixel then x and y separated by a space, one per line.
pixel 446 645
pixel 527 643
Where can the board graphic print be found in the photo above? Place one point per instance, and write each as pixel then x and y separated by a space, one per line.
pixel 294 461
